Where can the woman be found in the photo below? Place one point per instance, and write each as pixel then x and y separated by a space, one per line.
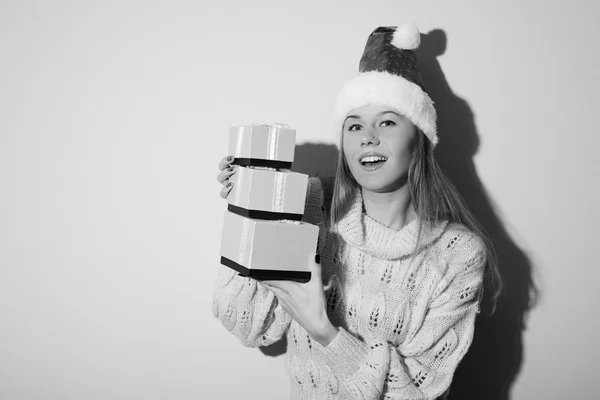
pixel 402 259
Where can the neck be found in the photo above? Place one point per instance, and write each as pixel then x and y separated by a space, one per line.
pixel 392 209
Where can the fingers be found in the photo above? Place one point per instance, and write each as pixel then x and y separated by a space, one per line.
pixel 314 261
pixel 225 162
pixel 272 284
pixel 314 264
pixel 226 189
pixel 279 287
pixel 224 175
pixel 273 288
pixel 223 178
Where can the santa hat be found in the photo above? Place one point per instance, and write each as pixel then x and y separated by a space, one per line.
pixel 389 76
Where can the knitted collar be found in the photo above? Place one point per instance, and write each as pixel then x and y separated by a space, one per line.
pixel 372 237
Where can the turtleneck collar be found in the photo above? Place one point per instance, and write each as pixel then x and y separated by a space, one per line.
pixel 372 237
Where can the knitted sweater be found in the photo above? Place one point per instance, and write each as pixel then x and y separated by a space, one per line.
pixel 403 328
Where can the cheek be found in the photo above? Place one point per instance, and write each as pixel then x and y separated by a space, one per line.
pixel 403 154
pixel 404 144
pixel 407 149
pixel 348 146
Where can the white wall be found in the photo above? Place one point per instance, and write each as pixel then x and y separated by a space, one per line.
pixel 114 115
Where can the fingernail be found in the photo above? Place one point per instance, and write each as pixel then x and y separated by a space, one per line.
pixel 317 258
pixel 230 169
pixel 230 158
pixel 229 184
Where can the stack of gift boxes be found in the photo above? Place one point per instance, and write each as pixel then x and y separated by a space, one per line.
pixel 263 235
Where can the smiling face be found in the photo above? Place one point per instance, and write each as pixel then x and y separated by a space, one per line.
pixel 378 145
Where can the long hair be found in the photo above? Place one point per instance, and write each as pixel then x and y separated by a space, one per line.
pixel 434 198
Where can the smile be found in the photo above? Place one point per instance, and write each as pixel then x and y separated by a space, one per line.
pixel 372 162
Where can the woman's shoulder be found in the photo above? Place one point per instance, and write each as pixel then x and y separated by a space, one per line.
pixel 461 245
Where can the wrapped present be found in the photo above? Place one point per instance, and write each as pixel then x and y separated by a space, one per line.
pixel 267 194
pixel 263 145
pixel 273 250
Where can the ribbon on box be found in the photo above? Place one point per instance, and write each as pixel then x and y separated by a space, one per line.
pixel 243 260
pixel 266 274
pixel 276 211
pixel 242 253
pixel 274 138
pixel 279 185
pixel 266 215
pixel 273 145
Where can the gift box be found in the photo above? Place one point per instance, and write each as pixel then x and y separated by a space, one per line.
pixel 263 145
pixel 267 194
pixel 271 250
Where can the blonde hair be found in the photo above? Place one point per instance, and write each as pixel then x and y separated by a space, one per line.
pixel 434 198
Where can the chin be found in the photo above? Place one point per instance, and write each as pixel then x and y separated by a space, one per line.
pixel 377 186
pixel 382 184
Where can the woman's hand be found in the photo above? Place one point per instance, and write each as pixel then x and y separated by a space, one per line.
pixel 305 303
pixel 226 171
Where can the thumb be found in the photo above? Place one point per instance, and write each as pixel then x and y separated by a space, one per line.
pixel 314 264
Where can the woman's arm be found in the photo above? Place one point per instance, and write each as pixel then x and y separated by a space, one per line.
pixel 250 311
pixel 422 366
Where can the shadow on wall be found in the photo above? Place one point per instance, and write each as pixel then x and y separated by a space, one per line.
pixel 494 360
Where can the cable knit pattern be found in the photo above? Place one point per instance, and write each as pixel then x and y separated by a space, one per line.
pixel 403 328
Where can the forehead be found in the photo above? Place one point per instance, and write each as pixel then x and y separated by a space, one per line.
pixel 371 110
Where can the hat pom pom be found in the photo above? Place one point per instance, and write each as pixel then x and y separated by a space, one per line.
pixel 407 36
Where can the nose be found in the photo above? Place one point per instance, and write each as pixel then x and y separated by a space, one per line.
pixel 367 138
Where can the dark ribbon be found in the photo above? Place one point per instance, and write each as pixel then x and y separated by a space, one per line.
pixel 259 162
pixel 267 274
pixel 266 215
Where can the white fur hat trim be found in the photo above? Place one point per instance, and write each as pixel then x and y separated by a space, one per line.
pixel 385 89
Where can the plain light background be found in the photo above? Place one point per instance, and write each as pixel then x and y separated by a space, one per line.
pixel 114 116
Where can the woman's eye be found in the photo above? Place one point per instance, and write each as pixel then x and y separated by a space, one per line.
pixel 354 127
pixel 387 122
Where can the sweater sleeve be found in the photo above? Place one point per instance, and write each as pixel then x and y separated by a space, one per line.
pixel 423 365
pixel 247 309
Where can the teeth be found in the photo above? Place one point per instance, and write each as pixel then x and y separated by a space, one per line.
pixel 372 159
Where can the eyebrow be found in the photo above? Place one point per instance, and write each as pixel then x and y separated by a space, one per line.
pixel 378 114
